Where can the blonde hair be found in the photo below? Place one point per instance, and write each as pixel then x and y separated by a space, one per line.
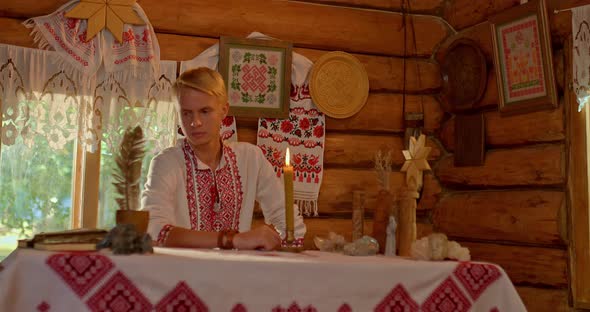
pixel 203 79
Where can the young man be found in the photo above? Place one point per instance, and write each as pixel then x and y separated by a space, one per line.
pixel 201 192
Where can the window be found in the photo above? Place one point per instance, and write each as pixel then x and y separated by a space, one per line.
pixel 59 134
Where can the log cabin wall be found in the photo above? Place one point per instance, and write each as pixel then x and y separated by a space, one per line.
pixel 508 211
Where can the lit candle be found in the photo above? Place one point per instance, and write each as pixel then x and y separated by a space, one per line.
pixel 289 216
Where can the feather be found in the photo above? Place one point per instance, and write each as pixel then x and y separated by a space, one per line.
pixel 128 171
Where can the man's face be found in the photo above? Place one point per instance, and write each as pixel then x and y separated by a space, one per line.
pixel 201 115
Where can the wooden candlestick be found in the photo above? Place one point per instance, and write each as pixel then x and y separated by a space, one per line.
pixel 407 219
pixel 358 214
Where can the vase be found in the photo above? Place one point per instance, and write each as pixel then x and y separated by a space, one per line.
pixel 139 218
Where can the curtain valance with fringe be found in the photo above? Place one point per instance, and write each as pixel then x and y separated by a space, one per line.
pixel 39 97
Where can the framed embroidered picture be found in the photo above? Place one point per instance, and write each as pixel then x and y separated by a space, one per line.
pixel 257 75
pixel 523 59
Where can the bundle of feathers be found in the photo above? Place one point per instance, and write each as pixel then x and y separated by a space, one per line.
pixel 128 172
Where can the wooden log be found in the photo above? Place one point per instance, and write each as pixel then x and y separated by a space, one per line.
pixel 417 6
pixel 322 226
pixel 540 165
pixel 537 127
pixel 338 186
pixel 544 300
pixel 383 112
pixel 461 14
pixel 524 265
pixel 354 150
pixel 346 29
pixel 512 216
pixel 385 73
pixel 431 191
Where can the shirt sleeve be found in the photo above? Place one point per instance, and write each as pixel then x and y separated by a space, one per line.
pixel 159 196
pixel 270 194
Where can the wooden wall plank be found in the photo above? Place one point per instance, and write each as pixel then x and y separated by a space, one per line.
pixel 461 14
pixel 515 216
pixel 539 165
pixel 354 150
pixel 339 184
pixel 385 72
pixel 431 191
pixel 544 300
pixel 323 226
pixel 525 266
pixel 431 7
pixel 536 127
pixel 325 27
pixel 383 112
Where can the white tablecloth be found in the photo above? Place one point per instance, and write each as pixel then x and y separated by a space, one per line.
pixel 213 280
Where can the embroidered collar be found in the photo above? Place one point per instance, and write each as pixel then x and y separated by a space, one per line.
pixel 202 165
pixel 204 188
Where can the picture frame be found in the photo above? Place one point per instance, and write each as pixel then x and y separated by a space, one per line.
pixel 257 74
pixel 523 59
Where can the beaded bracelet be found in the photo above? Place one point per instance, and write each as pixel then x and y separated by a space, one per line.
pixel 228 242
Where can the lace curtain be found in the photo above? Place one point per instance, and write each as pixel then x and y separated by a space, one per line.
pixel 40 98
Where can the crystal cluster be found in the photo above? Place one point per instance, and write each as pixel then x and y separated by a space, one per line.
pixel 364 246
pixel 436 246
pixel 123 239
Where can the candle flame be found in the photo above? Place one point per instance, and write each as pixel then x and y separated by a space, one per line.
pixel 287 158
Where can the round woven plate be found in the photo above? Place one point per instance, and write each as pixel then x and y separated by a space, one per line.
pixel 339 84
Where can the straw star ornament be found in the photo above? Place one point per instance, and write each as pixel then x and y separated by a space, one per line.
pixel 112 14
pixel 416 161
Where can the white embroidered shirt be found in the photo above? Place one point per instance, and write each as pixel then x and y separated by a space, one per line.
pixel 182 191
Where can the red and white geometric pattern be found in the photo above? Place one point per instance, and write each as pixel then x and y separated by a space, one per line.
pixel 181 298
pixel 227 185
pixel 254 78
pixel 476 277
pixel 117 295
pixel 294 307
pixel 43 307
pixel 345 308
pixel 446 298
pixel 81 271
pixel 397 300
pixel 239 308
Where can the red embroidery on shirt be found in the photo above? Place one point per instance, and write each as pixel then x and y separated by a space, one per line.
pixel 190 187
pixel 227 185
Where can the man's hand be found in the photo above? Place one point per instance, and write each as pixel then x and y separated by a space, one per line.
pixel 263 237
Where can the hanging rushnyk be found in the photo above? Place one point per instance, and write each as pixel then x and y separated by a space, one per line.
pixel 76 31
